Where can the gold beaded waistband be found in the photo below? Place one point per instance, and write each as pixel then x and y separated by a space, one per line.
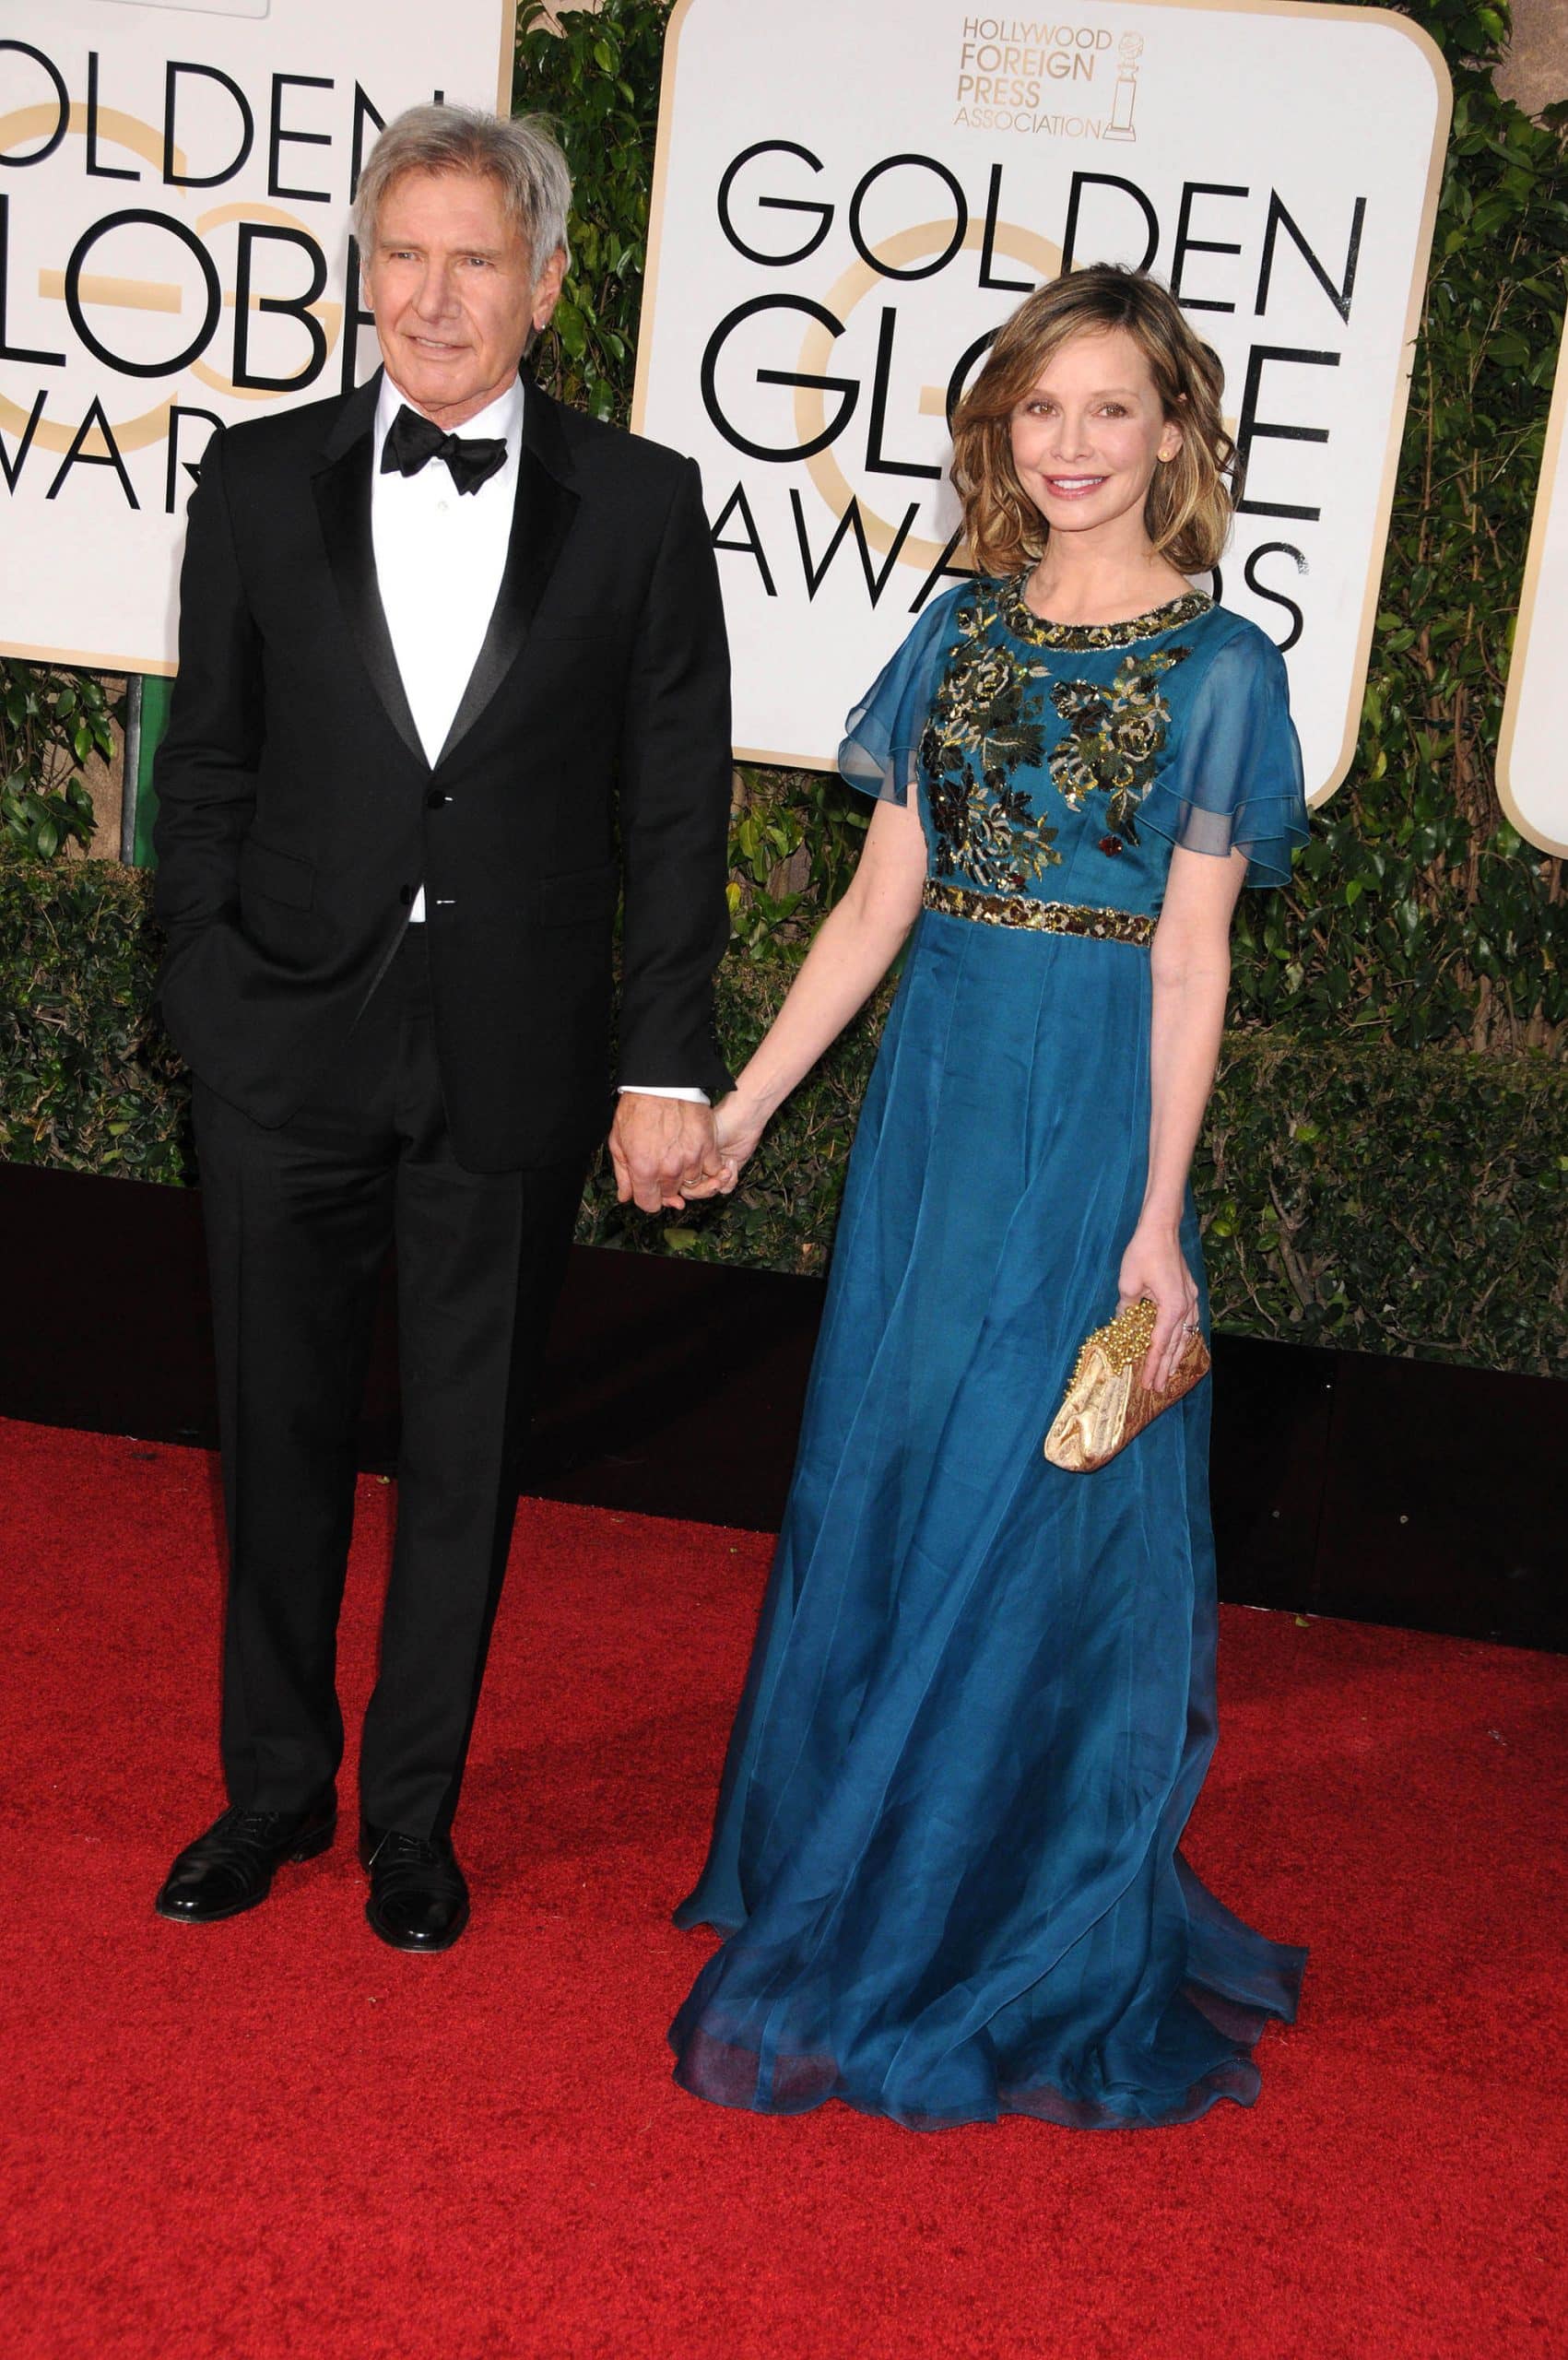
pixel 1043 917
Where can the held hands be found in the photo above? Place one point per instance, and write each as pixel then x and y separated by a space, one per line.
pixel 738 1126
pixel 664 1152
pixel 667 1153
pixel 1155 1266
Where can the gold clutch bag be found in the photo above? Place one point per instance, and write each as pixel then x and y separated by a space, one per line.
pixel 1104 1405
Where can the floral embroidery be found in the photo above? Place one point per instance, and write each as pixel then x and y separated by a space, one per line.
pixel 989 722
pixel 985 723
pixel 1114 736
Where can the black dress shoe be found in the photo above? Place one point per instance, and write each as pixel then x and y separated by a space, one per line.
pixel 418 1901
pixel 230 1868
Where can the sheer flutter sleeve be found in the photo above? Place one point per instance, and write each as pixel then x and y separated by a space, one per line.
pixel 883 731
pixel 1233 779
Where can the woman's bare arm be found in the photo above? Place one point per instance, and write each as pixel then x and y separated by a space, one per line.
pixel 854 948
pixel 1190 973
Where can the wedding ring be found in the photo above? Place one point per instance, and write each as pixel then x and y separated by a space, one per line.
pixel 1192 1327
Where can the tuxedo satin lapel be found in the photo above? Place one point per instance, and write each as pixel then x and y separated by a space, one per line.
pixel 541 518
pixel 342 490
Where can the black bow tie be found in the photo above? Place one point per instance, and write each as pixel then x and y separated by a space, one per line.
pixel 412 442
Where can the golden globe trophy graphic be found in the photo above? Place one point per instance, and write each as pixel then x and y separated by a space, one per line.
pixel 1125 95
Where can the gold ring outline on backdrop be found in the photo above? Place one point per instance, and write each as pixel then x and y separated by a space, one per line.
pixel 904 246
pixel 143 139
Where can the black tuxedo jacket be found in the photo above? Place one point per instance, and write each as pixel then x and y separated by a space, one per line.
pixel 590 756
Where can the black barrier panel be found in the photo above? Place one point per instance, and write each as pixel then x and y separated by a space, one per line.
pixel 1385 1490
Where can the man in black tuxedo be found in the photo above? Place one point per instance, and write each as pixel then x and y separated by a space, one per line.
pixel 453 683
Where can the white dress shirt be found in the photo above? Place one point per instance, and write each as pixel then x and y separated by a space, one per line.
pixel 440 555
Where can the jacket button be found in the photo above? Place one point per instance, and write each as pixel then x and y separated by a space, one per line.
pixel 435 799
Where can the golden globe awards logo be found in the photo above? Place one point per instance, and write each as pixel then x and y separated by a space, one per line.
pixel 225 296
pixel 930 249
pixel 174 255
pixel 1042 79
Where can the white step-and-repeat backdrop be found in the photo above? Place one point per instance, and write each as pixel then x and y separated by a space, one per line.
pixel 848 202
pixel 850 198
pixel 174 185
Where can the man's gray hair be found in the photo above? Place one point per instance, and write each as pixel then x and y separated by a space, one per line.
pixel 521 155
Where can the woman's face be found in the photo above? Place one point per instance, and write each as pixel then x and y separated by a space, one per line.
pixel 1089 434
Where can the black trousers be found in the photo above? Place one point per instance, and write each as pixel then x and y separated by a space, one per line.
pixel 299 1223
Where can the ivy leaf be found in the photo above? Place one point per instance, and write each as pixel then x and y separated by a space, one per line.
pixel 571 327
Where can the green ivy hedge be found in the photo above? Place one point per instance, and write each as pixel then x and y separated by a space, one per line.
pixel 1387 1199
pixel 87 1080
pixel 50 721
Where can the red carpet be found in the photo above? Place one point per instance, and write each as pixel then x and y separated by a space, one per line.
pixel 276 2137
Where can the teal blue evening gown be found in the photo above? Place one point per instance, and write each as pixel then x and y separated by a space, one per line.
pixel 981 1703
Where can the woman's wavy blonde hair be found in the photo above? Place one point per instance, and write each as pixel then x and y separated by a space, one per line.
pixel 1190 501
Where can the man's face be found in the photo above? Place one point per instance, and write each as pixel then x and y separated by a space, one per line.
pixel 453 291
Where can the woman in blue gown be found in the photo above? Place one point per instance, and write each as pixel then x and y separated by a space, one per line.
pixel 981 1703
